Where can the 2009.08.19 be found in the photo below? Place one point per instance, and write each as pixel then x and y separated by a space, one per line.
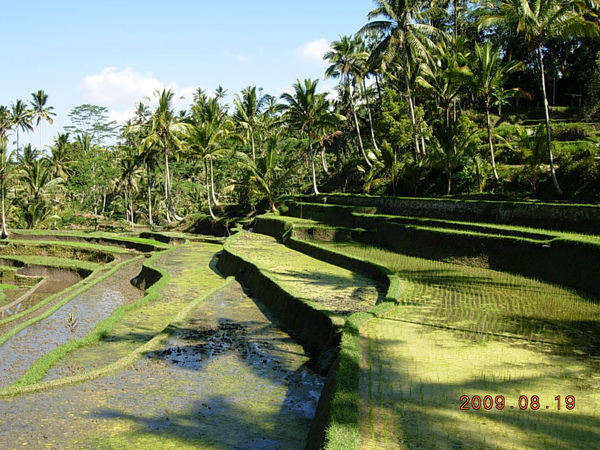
pixel 498 402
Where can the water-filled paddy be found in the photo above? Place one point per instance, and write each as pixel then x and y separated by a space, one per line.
pixel 86 310
pixel 228 378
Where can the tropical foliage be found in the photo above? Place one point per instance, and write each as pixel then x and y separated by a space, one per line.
pixel 433 98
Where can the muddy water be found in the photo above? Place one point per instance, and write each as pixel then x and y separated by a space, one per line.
pixel 228 378
pixel 88 309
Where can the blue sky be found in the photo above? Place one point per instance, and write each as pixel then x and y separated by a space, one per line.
pixel 114 53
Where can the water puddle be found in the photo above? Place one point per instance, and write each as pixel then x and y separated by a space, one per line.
pixel 230 377
pixel 73 321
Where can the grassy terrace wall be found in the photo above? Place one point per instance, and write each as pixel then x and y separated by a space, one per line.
pixel 138 244
pixel 313 326
pixel 576 218
pixel 335 425
pixel 561 260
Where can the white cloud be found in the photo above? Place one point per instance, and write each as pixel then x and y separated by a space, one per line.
pixel 313 51
pixel 115 88
pixel 121 117
pixel 120 90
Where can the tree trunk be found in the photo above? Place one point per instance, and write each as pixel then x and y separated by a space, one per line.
pixel 413 118
pixel 131 210
pixel 324 160
pixel 360 142
pixel 252 143
pixel 4 232
pixel 212 215
pixel 168 193
pixel 370 117
pixel 490 141
pixel 312 164
pixel 167 188
pixel 548 131
pixel 150 221
pixel 212 182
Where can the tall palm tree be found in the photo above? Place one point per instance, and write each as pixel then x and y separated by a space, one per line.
pixel 486 79
pixel 21 118
pixel 248 110
pixel 408 37
pixel 4 172
pixel 536 22
pixel 165 131
pixel 346 59
pixel 41 112
pixel 209 138
pixel 308 111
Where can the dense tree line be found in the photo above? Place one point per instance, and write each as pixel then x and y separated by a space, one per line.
pixel 433 98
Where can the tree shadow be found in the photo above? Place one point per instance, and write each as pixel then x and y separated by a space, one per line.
pixel 214 422
pixel 426 412
pixel 359 293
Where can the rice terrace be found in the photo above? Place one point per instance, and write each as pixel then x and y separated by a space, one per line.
pixel 270 235
pixel 297 332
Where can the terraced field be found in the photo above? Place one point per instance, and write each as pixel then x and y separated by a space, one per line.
pixel 165 370
pixel 468 357
pixel 419 353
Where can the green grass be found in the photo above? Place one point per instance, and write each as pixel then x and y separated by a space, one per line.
pixel 124 237
pixel 50 261
pixel 461 330
pixel 474 299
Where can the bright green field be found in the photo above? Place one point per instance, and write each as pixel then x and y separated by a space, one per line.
pixel 463 331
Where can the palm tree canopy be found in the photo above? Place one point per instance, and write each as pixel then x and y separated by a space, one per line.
pixel 488 74
pixel 537 21
pixel 347 58
pixel 403 25
pixel 42 112
pixel 306 109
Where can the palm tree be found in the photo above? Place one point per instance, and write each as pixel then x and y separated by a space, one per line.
pixel 248 111
pixel 128 182
pixel 4 172
pixel 21 118
pixel 536 22
pixel 308 111
pixel 453 141
pixel 533 146
pixel 266 174
pixel 346 61
pixel 41 112
pixel 59 158
pixel 164 131
pixel 486 79
pixel 28 156
pixel 406 37
pixel 208 139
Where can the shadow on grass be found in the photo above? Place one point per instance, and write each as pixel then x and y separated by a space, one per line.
pixel 429 413
pixel 214 422
pixel 350 294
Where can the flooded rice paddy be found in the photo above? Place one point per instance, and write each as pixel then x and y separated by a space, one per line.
pixel 74 320
pixel 228 377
